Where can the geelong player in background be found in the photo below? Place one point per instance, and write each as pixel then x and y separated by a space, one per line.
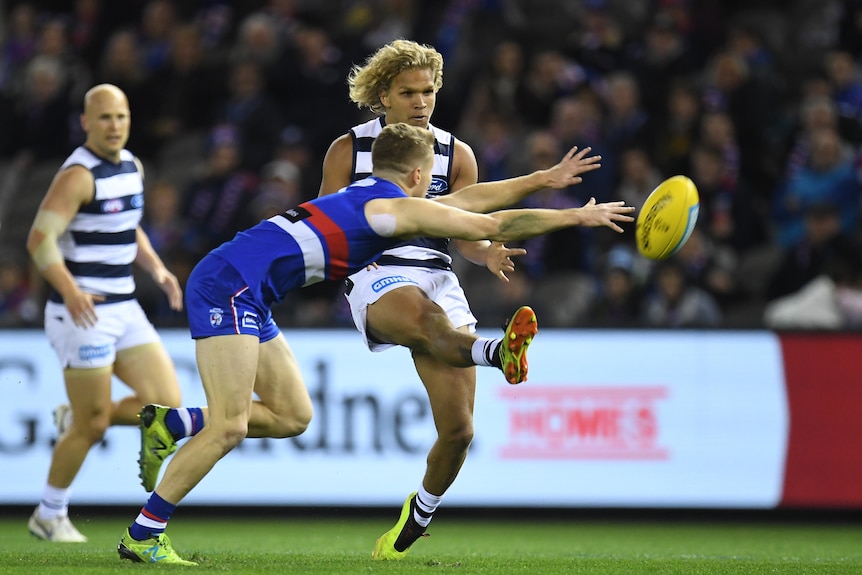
pixel 84 240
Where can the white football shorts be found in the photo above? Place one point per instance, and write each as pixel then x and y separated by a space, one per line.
pixel 120 326
pixel 441 286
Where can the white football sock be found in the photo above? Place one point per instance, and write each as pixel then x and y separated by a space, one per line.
pixel 482 351
pixel 55 501
pixel 426 505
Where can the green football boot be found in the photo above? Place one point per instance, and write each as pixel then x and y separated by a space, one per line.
pixel 152 550
pixel 395 543
pixel 157 444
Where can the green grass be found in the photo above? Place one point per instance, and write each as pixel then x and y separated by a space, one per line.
pixel 457 546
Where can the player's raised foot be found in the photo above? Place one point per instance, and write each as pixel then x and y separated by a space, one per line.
pixel 395 543
pixel 62 419
pixel 157 444
pixel 152 550
pixel 520 331
pixel 58 530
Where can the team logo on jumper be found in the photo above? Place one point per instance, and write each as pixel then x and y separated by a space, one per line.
pixel 437 188
pixel 91 352
pixel 112 206
pixel 137 201
pixel 389 280
pixel 612 423
pixel 216 316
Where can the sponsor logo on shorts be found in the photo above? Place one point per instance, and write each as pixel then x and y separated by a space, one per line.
pixel 216 316
pixel 90 352
pixel 250 320
pixel 389 280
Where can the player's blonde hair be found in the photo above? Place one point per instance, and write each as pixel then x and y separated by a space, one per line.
pixel 400 148
pixel 376 74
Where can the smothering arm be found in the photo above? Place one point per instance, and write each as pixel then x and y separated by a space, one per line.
pixel 418 217
pixel 490 196
pixel 527 223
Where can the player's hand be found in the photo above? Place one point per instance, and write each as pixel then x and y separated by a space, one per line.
pixel 499 259
pixel 82 308
pixel 567 172
pixel 606 214
pixel 371 266
pixel 171 286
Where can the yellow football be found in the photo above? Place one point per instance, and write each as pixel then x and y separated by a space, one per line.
pixel 667 218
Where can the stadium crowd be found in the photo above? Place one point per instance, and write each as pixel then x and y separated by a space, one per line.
pixel 235 103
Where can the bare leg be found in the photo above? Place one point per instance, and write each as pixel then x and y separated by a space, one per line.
pixel 284 408
pixel 149 371
pixel 227 365
pixel 89 392
pixel 451 391
pixel 441 353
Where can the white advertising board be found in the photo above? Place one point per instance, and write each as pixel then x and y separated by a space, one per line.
pixel 607 418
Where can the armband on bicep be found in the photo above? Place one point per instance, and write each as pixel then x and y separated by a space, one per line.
pixel 51 225
pixel 383 224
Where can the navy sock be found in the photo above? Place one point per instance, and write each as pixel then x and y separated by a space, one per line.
pixel 153 518
pixel 184 421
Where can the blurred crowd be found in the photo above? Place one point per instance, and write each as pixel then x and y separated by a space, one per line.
pixel 235 103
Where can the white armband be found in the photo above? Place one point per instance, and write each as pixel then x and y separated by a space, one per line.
pixel 47 253
pixel 383 224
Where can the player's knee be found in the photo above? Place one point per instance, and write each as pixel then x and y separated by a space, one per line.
pixel 432 329
pixel 458 437
pixel 231 433
pixel 293 424
pixel 93 428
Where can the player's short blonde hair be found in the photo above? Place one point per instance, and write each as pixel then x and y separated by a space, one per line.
pixel 401 148
pixel 376 74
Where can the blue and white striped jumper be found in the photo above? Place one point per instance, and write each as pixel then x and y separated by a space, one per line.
pixel 421 252
pixel 100 243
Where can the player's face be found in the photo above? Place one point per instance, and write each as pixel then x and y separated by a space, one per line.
pixel 107 120
pixel 411 98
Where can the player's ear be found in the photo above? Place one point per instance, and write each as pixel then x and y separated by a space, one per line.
pixel 83 122
pixel 384 98
pixel 416 176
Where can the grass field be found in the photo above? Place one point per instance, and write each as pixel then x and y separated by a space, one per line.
pixel 244 545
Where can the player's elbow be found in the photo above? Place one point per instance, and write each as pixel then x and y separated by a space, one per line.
pixel 34 240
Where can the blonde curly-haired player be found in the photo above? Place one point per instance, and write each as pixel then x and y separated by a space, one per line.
pixel 399 83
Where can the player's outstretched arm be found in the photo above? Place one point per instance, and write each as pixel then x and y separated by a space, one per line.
pixel 419 217
pixel 486 197
pixel 527 223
